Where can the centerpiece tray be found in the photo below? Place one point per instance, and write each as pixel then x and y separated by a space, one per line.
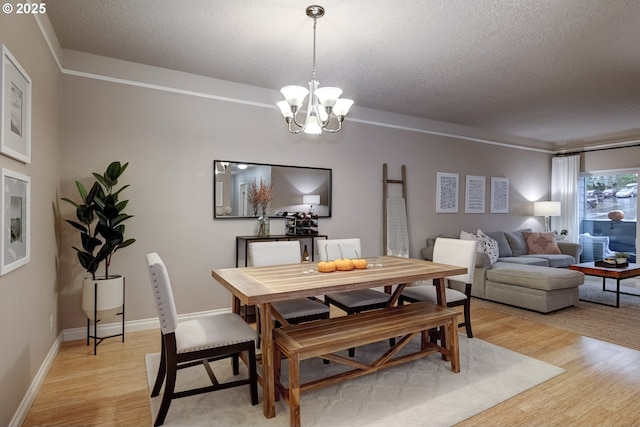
pixel 611 264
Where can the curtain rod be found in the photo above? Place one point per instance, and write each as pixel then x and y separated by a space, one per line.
pixel 571 153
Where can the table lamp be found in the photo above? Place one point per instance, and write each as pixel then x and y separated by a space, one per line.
pixel 311 199
pixel 547 210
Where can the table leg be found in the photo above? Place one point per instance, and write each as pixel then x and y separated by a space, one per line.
pixel 440 292
pixel 268 386
pixel 442 300
pixel 617 293
pixel 235 304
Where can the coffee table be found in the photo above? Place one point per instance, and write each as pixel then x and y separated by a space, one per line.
pixel 590 269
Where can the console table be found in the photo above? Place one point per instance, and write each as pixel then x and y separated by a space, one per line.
pixel 273 237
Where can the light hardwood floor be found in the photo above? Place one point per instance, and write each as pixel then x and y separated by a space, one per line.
pixel 600 387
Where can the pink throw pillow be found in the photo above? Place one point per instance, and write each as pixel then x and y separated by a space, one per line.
pixel 541 243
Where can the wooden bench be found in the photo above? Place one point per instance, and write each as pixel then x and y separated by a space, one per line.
pixel 324 337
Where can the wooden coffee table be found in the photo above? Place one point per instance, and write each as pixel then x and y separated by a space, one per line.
pixel 590 269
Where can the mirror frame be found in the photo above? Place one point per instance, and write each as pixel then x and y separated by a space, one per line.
pixel 218 196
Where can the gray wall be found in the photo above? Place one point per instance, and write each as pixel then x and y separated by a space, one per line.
pixel 30 293
pixel 171 138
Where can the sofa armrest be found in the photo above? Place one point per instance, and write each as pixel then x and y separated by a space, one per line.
pixel 427 253
pixel 482 260
pixel 592 251
pixel 570 248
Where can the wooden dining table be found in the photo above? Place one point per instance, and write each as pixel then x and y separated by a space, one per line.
pixel 264 285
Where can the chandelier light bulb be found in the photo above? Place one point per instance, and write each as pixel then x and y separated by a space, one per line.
pixel 328 95
pixel 294 95
pixel 342 107
pixel 285 109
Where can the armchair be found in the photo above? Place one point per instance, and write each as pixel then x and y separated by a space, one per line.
pixel 594 248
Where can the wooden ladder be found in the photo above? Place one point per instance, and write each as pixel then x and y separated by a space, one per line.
pixel 385 194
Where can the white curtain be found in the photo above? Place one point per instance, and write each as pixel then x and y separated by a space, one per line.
pixel 565 172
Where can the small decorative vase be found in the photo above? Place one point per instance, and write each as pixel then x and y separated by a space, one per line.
pixel 264 224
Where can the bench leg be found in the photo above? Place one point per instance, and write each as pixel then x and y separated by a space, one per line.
pixel 277 369
pixel 294 390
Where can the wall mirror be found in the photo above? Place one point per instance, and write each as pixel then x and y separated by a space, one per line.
pixel 295 189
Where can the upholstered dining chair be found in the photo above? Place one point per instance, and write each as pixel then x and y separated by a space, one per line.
pixel 350 301
pixel 196 341
pixel 286 252
pixel 456 252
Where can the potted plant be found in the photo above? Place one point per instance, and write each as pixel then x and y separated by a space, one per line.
pixel 622 258
pixel 100 216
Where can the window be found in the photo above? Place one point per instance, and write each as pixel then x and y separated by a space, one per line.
pixel 601 194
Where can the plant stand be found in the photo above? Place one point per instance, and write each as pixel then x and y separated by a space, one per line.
pixel 97 318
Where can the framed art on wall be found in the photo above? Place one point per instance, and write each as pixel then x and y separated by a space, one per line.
pixel 499 195
pixel 16 220
pixel 474 194
pixel 447 193
pixel 15 109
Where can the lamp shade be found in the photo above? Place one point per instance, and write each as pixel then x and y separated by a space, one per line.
pixel 546 209
pixel 311 199
pixel 294 94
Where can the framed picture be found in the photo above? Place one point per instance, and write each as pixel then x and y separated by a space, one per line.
pixel 475 194
pixel 499 195
pixel 16 220
pixel 15 108
pixel 447 193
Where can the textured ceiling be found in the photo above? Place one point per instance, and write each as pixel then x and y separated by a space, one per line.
pixel 561 71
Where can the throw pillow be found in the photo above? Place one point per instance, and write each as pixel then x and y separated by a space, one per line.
pixel 489 246
pixel 542 243
pixel 517 242
pixel 504 250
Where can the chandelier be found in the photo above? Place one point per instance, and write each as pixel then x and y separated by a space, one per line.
pixel 324 102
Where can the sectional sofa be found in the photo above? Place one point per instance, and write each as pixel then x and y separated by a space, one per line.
pixel 538 282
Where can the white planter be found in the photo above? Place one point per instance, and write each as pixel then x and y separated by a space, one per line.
pixel 110 296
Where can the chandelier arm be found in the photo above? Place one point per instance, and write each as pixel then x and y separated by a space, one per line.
pixel 338 129
pixel 291 130
pixel 293 119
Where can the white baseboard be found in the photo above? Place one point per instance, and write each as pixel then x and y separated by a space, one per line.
pixel 131 326
pixel 81 333
pixel 32 392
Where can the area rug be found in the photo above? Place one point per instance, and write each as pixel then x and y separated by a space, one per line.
pixel 615 325
pixel 419 393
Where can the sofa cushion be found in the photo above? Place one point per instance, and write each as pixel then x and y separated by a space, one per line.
pixel 541 243
pixel 503 245
pixel 535 277
pixel 554 260
pixel 526 260
pixel 517 242
pixel 489 246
